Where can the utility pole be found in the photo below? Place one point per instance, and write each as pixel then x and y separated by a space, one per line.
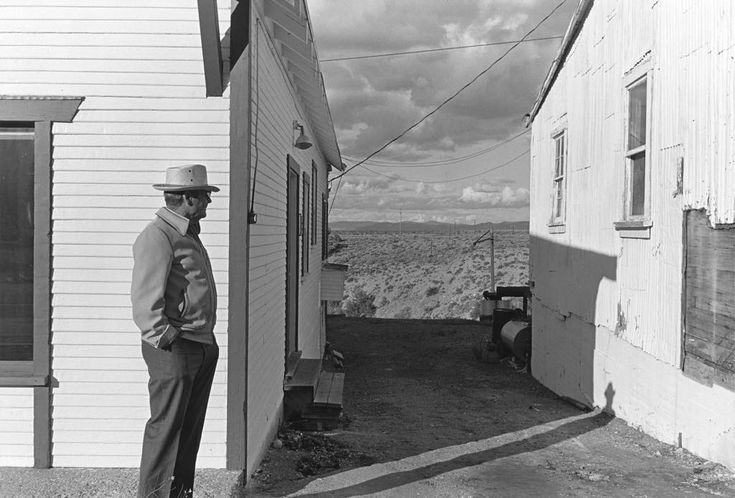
pixel 400 222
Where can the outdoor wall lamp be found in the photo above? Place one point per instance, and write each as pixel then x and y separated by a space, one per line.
pixel 302 142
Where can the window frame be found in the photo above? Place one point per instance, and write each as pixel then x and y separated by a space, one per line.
pixel 36 374
pixel 305 223
pixel 40 112
pixel 314 206
pixel 325 227
pixel 557 221
pixel 636 225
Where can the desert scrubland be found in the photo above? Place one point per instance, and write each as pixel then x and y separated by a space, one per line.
pixel 425 275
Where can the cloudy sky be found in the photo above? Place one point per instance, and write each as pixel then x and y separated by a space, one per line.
pixel 451 167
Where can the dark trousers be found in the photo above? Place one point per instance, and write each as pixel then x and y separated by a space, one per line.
pixel 179 385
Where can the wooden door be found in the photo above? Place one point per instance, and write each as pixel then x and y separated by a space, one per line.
pixel 292 257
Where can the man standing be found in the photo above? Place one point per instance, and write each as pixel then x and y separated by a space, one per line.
pixel 174 305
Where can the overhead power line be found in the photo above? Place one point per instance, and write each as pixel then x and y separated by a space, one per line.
pixel 442 49
pixel 450 98
pixel 438 162
pixel 506 163
pixel 494 168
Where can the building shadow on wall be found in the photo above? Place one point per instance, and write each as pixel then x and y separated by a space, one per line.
pixel 566 281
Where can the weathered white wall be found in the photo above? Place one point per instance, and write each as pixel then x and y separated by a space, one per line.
pixel 277 105
pixel 139 65
pixel 602 300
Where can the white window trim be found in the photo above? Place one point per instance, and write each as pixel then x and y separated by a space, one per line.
pixel 637 226
pixel 557 224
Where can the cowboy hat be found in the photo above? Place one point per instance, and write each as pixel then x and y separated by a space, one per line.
pixel 187 177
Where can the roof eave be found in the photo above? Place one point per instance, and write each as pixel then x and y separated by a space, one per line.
pixel 211 47
pixel 291 28
pixel 575 26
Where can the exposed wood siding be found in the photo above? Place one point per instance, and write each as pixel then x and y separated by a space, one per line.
pixel 139 65
pixel 277 106
pixel 709 341
pixel 608 309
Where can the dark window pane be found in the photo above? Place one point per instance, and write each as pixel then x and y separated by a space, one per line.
pixel 558 201
pixel 637 116
pixel 638 184
pixel 559 158
pixel 16 246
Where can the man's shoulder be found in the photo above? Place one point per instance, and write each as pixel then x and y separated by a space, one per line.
pixel 157 231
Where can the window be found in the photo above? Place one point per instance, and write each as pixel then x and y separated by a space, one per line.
pixel 559 178
pixel 305 223
pixel 25 252
pixel 314 196
pixel 25 244
pixel 16 241
pixel 636 212
pixel 636 199
pixel 25 225
pixel 325 229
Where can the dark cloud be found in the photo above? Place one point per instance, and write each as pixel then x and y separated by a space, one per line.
pixel 374 100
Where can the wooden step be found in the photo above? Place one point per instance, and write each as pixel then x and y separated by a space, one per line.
pixel 299 389
pixel 329 390
pixel 305 375
pixel 291 363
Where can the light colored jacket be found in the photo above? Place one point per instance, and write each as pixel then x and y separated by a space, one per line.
pixel 173 291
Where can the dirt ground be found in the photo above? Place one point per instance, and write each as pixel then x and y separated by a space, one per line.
pixel 414 388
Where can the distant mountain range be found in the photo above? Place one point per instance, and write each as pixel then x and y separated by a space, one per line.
pixel 429 226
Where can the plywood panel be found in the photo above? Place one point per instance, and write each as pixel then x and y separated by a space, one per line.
pixel 710 313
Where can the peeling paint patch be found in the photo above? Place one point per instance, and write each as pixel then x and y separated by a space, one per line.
pixel 621 324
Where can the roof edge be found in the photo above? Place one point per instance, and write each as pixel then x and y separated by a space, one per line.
pixel 575 26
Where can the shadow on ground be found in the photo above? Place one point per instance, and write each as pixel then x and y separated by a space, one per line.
pixel 414 388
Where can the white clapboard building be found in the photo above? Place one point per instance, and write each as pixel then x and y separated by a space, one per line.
pixel 632 212
pixel 97 99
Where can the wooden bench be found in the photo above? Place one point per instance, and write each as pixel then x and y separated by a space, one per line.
pixel 329 390
pixel 324 412
pixel 311 394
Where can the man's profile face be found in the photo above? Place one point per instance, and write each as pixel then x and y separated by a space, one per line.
pixel 200 199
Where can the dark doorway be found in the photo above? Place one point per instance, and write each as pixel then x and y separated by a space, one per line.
pixel 292 257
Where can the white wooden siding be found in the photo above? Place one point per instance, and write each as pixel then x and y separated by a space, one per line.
pixel 624 329
pixel 278 107
pixel 16 427
pixel 139 66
